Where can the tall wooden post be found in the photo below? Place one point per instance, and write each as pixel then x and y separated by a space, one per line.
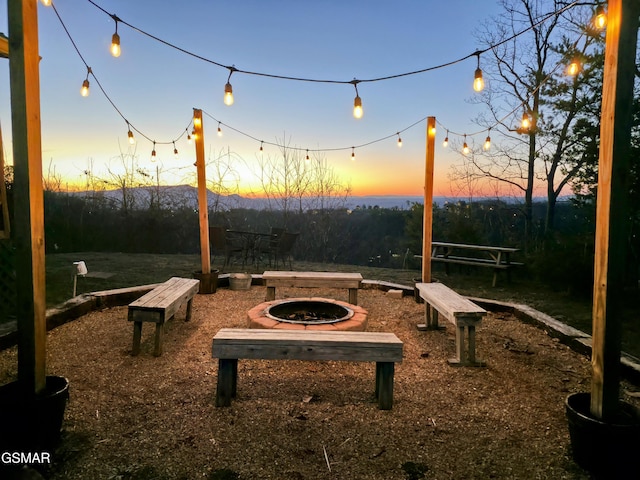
pixel 29 200
pixel 612 224
pixel 203 204
pixel 427 219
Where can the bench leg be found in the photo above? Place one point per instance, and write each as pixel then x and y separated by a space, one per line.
pixel 430 319
pixel 189 303
pixel 495 277
pixel 227 381
pixel 384 384
pixel 353 296
pixel 137 334
pixel 466 358
pixel 271 293
pixel 157 348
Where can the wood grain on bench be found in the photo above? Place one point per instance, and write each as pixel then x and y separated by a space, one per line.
pixel 158 306
pixel 351 281
pixel 462 312
pixel 231 344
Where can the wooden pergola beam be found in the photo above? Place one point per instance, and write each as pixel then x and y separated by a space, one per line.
pixel 28 196
pixel 612 223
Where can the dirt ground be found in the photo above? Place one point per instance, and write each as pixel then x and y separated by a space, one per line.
pixel 149 417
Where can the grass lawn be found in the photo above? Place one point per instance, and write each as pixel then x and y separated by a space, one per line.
pixel 116 270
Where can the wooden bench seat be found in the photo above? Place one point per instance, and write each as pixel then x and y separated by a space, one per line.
pixel 462 312
pixel 230 344
pixel 351 281
pixel 158 306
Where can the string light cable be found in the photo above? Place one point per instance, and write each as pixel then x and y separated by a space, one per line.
pixel 90 72
pixel 233 69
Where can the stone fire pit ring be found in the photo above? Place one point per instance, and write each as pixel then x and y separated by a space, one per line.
pixel 355 318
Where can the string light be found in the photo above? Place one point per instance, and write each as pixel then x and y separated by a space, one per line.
pixel 46 3
pixel 526 121
pixel 465 147
pixel 357 102
pixel 399 141
pixel 487 141
pixel 445 144
pixel 353 153
pixel 307 157
pixel 573 68
pixel 478 81
pixel 153 152
pixel 115 39
pixel 261 143
pixel 219 130
pixel 130 136
pixel 194 136
pixel 175 150
pixel 188 136
pixel 228 89
pixel 600 18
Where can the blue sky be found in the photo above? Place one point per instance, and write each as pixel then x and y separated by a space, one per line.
pixel 156 87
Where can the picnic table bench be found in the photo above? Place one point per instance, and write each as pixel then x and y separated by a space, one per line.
pixel 497 258
pixel 462 312
pixel 158 306
pixel 230 344
pixel 273 279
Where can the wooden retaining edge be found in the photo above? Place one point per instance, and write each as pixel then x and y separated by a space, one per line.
pixel 83 304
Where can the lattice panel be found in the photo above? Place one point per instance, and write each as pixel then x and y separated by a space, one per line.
pixel 7 282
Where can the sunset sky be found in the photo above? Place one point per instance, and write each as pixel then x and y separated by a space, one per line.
pixel 156 87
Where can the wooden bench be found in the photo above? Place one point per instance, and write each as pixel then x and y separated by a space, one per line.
pixel 230 344
pixel 352 281
pixel 158 306
pixel 463 313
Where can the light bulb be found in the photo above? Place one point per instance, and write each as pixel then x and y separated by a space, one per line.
pixel 197 122
pixel 526 121
pixel 573 68
pixel 46 3
pixel 465 148
pixel 353 154
pixel 399 142
pixel 175 150
pixel 228 94
pixel 445 144
pixel 261 149
pixel 153 152
pixel 487 143
pixel 84 91
pixel 188 137
pixel 307 158
pixel 193 134
pixel 478 81
pixel 115 45
pixel 600 18
pixel 132 139
pixel 357 107
pixel 219 130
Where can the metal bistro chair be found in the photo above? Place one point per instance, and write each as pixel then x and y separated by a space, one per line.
pixel 222 244
pixel 284 247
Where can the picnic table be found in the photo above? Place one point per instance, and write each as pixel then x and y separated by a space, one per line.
pixel 498 258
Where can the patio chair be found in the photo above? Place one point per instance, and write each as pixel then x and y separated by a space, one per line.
pixel 283 248
pixel 226 245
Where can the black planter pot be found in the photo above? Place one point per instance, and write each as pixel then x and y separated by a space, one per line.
pixel 208 281
pixel 30 423
pixel 606 449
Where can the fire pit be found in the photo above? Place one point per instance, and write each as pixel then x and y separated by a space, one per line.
pixel 308 314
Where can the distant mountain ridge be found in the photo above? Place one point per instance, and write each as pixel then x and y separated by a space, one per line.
pixel 180 196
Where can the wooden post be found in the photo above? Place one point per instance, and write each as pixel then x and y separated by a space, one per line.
pixel 29 200
pixel 613 174
pixel 203 204
pixel 5 230
pixel 427 227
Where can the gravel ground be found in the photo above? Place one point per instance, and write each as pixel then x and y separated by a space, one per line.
pixel 154 418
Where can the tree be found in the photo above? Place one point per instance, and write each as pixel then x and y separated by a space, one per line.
pixel 520 67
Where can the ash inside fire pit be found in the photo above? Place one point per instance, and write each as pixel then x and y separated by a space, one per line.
pixel 308 312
